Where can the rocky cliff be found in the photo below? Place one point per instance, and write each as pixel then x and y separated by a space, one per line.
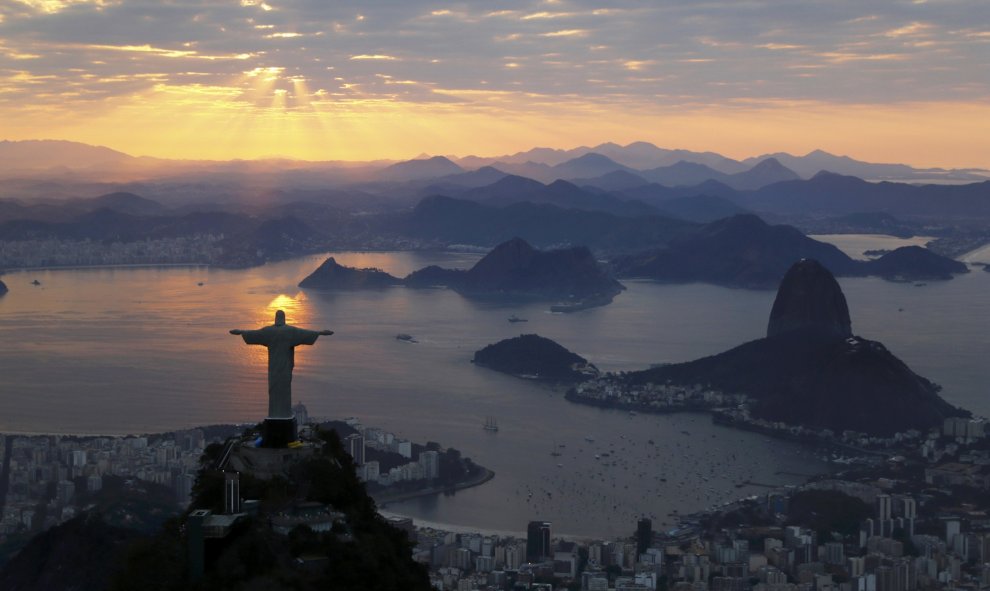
pixel 809 298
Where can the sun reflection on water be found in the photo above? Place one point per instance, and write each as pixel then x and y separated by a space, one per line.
pixel 297 312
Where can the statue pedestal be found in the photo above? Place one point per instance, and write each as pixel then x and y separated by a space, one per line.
pixel 266 463
pixel 278 433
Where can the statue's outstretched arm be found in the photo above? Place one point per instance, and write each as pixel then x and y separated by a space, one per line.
pixel 236 331
pixel 326 333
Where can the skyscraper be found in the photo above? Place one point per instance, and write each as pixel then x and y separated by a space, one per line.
pixel 354 444
pixel 537 540
pixel 644 535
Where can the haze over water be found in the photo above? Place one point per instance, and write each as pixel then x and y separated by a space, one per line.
pixel 147 350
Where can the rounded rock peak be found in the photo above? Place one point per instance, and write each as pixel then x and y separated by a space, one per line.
pixel 809 298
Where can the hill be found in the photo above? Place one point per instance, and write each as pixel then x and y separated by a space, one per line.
pixel 914 263
pixel 513 269
pixel 437 166
pixel 745 251
pixel 515 189
pixel 699 208
pixel 766 172
pixel 28 155
pixel 537 357
pixel 332 275
pixel 741 251
pixel 617 180
pixel 516 268
pixel 828 193
pixel 588 165
pixel 82 554
pixel 361 551
pixel 460 221
pixel 810 370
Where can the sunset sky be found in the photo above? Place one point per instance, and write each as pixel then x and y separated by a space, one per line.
pixel 880 80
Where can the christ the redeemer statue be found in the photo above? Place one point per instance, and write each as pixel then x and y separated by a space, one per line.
pixel 281 340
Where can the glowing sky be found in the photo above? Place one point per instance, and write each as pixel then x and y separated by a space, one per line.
pixel 883 80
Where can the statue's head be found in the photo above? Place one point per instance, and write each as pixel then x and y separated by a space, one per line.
pixel 280 318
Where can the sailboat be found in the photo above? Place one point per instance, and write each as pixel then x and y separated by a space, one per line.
pixel 490 424
pixel 556 451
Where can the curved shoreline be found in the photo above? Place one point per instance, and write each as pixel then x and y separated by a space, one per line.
pixel 720 418
pixel 384 498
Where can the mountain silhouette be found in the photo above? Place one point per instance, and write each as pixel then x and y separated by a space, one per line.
pixel 811 371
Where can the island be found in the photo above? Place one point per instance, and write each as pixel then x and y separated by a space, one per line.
pixel 569 277
pixel 535 357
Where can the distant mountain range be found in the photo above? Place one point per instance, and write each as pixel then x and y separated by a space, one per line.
pixel 664 241
pixel 643 156
pixel 665 166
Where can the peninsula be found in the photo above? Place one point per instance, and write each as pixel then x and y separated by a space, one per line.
pixel 809 370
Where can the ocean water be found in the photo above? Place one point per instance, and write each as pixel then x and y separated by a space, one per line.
pixel 147 349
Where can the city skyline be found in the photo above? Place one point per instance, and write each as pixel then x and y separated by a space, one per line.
pixel 891 81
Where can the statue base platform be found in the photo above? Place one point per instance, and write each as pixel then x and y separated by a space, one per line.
pixel 266 462
pixel 278 433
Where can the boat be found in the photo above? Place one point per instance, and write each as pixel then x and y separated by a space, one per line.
pixel 491 424
pixel 556 452
pixel 405 337
pixel 515 318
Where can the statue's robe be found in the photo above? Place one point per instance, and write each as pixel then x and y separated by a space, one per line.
pixel 281 342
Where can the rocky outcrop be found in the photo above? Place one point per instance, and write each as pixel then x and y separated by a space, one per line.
pixel 3 288
pixel 809 298
pixel 331 275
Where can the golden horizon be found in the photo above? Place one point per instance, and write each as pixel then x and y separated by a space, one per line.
pixel 925 135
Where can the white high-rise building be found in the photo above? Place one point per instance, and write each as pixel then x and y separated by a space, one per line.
pixel 430 461
pixel 354 444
